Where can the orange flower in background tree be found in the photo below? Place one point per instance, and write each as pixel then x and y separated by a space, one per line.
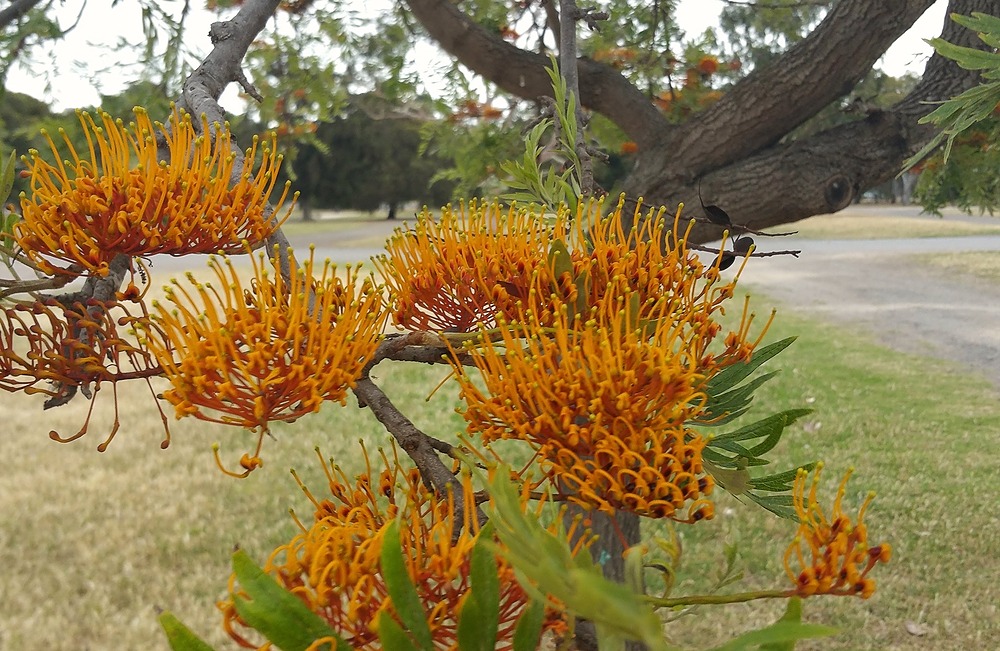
pixel 708 65
pixel 832 556
pixel 120 197
pixel 333 564
pixel 273 352
pixel 473 264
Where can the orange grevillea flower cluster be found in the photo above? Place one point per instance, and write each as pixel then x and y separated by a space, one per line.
pixel 472 265
pixel 606 367
pixel 650 266
pixel 120 197
pixel 832 555
pixel 66 348
pixel 604 403
pixel 271 352
pixel 333 564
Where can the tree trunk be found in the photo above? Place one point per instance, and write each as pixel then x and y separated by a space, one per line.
pixel 739 151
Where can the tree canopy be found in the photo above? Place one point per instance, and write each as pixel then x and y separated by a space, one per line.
pixel 776 116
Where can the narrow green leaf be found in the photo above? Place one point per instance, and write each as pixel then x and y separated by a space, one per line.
pixel 735 399
pixel 405 600
pixel 7 176
pixel 480 616
pixel 276 613
pixel 179 636
pixel 529 627
pixel 781 505
pixel 779 482
pixel 793 613
pixel 732 375
pixel 761 428
pixel 777 632
pixel 966 57
pixel 391 634
pixel 559 259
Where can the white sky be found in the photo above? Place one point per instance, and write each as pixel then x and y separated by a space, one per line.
pixel 73 62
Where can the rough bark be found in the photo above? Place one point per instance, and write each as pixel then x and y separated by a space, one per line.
pixel 738 150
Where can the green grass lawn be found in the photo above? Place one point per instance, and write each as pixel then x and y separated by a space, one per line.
pixel 93 543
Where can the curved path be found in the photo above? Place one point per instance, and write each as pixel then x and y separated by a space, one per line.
pixel 880 285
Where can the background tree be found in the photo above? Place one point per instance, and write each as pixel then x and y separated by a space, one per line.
pixel 361 163
pixel 739 149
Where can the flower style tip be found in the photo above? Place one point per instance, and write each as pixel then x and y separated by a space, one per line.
pixel 145 188
pixel 832 554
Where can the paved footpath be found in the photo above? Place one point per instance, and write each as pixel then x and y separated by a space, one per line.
pixel 880 286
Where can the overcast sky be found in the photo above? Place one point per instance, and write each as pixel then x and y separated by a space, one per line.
pixel 72 62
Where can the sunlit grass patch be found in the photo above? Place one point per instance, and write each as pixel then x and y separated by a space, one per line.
pixel 848 226
pixel 983 265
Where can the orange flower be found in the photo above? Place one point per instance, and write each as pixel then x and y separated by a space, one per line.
pixel 333 564
pixel 475 263
pixel 273 352
pixel 77 347
pixel 121 198
pixel 651 265
pixel 708 65
pixel 604 404
pixel 833 556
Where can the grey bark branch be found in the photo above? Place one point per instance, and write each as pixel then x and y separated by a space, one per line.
pixel 15 10
pixel 223 66
pixel 569 14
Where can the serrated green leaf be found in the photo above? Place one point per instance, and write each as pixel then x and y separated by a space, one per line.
pixel 528 630
pixel 276 613
pixel 405 599
pixel 480 616
pixel 179 636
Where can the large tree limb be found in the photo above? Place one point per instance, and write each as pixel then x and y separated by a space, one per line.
pixel 522 73
pixel 818 174
pixel 826 65
pixel 15 10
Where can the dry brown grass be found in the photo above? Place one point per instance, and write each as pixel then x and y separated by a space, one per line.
pixel 980 265
pixel 853 226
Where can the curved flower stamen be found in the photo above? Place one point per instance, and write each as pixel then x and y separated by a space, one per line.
pixel 273 352
pixel 832 555
pixel 121 198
